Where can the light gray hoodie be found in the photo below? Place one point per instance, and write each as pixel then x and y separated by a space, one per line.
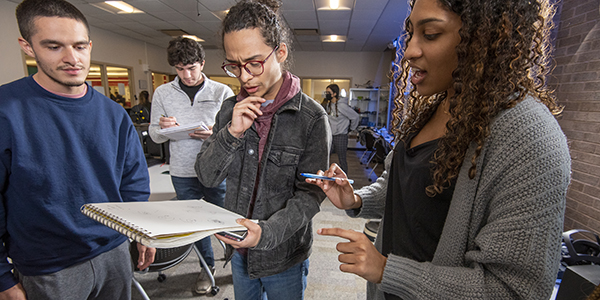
pixel 170 100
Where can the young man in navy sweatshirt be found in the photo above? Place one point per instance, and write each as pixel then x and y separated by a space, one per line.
pixel 63 144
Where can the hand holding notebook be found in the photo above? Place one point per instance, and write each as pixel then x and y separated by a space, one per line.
pixel 164 224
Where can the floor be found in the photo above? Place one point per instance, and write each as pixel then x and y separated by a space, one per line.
pixel 325 280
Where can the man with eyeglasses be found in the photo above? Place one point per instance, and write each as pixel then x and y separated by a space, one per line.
pixel 190 98
pixel 263 139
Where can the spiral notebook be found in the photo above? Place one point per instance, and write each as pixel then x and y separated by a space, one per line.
pixel 182 132
pixel 164 224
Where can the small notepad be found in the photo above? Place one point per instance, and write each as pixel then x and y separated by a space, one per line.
pixel 164 224
pixel 182 132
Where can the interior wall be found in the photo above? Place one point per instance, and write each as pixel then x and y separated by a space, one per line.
pixel 119 50
pixel 360 66
pixel 576 80
pixel 11 60
pixel 111 48
pixel 107 48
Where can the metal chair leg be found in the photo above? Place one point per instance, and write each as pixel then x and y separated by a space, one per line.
pixel 207 269
pixel 140 289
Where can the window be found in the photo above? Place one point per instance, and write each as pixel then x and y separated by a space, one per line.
pixel 159 79
pixel 111 81
pixel 119 87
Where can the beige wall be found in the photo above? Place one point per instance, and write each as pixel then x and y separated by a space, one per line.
pixel 122 51
pixel 118 50
pixel 11 60
pixel 107 48
pixel 359 66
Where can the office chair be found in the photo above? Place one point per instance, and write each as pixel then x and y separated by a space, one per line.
pixel 167 258
pixel 382 148
pixel 366 137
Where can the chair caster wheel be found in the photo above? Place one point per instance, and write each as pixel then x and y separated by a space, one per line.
pixel 161 277
pixel 214 290
pixel 370 179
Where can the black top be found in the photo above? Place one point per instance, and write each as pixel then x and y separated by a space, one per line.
pixel 413 221
pixel 191 90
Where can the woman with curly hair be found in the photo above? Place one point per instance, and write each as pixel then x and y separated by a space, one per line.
pixel 473 195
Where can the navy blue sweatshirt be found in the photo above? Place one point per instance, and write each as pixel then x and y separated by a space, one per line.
pixel 56 154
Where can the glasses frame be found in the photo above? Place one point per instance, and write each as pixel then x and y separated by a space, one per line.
pixel 243 66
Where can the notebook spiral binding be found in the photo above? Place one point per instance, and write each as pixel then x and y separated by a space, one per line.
pixel 126 228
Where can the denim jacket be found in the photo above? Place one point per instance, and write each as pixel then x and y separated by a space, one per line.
pixel 298 141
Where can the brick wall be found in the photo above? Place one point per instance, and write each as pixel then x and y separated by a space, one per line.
pixel 576 80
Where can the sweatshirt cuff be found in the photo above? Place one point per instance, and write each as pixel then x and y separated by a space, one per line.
pixel 7 280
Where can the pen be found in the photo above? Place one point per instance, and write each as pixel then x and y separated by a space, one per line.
pixel 165 116
pixel 315 176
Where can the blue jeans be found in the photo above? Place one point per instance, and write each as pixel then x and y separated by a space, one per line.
pixel 190 188
pixel 289 284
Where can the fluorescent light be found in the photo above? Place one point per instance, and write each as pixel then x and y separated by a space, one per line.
pixel 123 7
pixel 334 4
pixel 333 38
pixel 193 37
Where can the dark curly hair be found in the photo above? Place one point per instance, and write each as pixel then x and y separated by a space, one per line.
pixel 503 56
pixel 261 14
pixel 184 51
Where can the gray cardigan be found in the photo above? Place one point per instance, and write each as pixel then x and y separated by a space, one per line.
pixel 501 239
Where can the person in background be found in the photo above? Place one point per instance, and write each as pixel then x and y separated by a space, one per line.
pixel 119 99
pixel 473 198
pixel 56 157
pixel 190 97
pixel 264 138
pixel 342 119
pixel 140 113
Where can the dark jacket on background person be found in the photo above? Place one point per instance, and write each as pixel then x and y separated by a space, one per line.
pixel 298 141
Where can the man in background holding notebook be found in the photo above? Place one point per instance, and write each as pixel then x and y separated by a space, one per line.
pixel 188 99
pixel 63 144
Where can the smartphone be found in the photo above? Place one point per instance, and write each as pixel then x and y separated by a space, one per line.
pixel 315 176
pixel 234 235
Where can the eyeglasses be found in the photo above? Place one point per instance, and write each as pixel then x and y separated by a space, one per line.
pixel 253 67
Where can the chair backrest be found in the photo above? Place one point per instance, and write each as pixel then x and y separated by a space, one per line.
pixel 382 148
pixel 165 257
pixel 367 138
pixel 580 251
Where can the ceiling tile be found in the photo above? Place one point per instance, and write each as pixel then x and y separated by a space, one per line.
pixel 366 14
pixel 217 5
pixel 310 46
pixel 304 24
pixel 369 26
pixel 150 6
pixel 334 15
pixel 185 5
pixel 297 5
pixel 373 4
pixel 300 15
pixel 308 38
pixel 168 16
